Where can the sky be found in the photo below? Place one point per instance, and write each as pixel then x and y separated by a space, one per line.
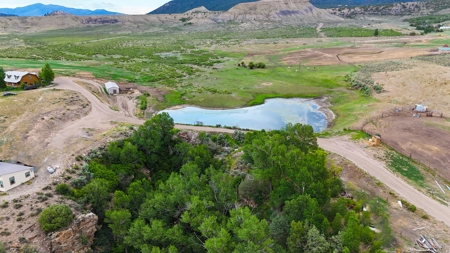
pixel 122 6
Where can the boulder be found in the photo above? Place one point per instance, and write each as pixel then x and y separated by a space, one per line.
pixel 78 237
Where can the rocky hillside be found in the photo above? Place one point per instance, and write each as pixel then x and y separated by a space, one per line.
pixel 276 10
pixel 181 6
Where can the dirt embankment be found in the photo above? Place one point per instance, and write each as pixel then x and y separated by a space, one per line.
pixel 406 225
pixel 361 158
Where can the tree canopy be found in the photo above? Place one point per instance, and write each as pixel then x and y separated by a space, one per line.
pixel 154 192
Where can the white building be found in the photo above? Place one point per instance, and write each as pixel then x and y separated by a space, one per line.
pixel 112 88
pixel 13 175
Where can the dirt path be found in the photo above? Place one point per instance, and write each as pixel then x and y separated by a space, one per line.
pixel 375 168
pixel 99 118
pixel 319 30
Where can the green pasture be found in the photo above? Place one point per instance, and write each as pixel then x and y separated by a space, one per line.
pixel 357 32
pixel 188 66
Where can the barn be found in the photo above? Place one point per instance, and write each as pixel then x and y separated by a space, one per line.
pixel 112 88
pixel 15 78
pixel 13 175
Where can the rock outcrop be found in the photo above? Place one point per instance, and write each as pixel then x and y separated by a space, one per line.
pixel 201 9
pixel 77 238
pixel 273 10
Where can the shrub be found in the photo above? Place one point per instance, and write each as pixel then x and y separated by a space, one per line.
pixel 55 217
pixel 251 65
pixel 48 187
pixel 412 208
pixel 5 204
pixel 28 249
pixel 63 189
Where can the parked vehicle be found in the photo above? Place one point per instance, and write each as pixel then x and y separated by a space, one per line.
pixel 9 94
pixel 50 170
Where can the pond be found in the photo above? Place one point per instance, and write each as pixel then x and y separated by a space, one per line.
pixel 273 114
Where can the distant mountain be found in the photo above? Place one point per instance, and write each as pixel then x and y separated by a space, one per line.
pixel 6 15
pixel 182 6
pixel 42 9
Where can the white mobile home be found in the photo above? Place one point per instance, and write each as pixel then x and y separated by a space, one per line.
pixel 13 175
pixel 112 88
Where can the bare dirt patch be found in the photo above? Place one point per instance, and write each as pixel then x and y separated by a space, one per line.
pixel 425 83
pixel 330 56
pixel 423 139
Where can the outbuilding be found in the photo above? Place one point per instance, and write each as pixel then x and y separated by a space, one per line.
pixel 112 88
pixel 13 175
pixel 15 78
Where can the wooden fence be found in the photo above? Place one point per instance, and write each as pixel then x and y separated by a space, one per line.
pixel 404 111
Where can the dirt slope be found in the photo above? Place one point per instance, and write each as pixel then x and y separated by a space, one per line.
pixel 365 161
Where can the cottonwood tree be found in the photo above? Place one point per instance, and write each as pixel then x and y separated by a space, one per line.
pixel 2 79
pixel 47 75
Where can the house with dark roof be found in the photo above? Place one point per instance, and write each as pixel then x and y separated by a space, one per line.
pixel 13 175
pixel 15 78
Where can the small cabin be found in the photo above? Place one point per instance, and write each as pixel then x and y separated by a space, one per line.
pixel 112 88
pixel 13 175
pixel 15 78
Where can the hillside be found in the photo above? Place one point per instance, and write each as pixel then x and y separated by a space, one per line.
pixel 181 6
pixel 42 9
pixel 272 10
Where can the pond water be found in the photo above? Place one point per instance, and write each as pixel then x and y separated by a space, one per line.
pixel 273 114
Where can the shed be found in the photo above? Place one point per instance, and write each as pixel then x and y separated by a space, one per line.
pixel 112 88
pixel 15 78
pixel 420 108
pixel 13 175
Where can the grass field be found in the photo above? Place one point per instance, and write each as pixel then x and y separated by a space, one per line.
pixel 197 68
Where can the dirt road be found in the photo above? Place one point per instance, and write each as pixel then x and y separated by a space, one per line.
pixel 375 168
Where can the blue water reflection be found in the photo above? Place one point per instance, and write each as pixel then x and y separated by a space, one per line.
pixel 273 114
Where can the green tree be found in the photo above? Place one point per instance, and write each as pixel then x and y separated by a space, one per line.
pixel 351 236
pixel 251 65
pixel 376 32
pixel 297 238
pixel 55 217
pixel 252 234
pixel 316 242
pixel 97 194
pixel 120 200
pixel 119 222
pixel 2 79
pixel 64 189
pixel 46 75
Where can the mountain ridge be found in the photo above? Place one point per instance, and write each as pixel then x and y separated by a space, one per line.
pixel 40 9
pixel 182 6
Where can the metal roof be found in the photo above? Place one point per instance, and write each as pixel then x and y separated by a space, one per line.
pixel 9 168
pixel 16 76
pixel 109 85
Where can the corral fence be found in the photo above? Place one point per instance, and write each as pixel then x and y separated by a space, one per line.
pixel 402 111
